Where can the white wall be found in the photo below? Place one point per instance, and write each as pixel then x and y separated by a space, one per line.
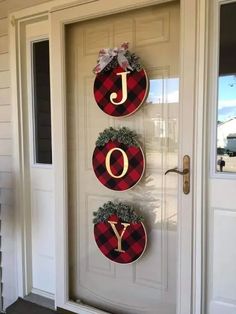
pixel 6 173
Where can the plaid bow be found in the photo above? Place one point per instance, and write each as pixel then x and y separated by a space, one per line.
pixel 107 54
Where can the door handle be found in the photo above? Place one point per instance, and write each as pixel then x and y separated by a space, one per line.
pixel 175 170
pixel 185 173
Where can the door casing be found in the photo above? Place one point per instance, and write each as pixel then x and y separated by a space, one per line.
pixel 193 64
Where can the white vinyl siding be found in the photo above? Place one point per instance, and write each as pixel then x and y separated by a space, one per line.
pixel 6 182
pixel 7 213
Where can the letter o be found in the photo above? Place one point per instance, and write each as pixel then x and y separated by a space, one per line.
pixel 108 166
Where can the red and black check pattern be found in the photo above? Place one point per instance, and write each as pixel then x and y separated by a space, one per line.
pixel 133 241
pixel 135 168
pixel 108 82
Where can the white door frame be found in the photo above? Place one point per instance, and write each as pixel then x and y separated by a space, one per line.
pixel 21 94
pixel 193 43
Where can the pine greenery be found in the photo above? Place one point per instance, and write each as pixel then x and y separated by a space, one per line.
pixel 125 212
pixel 134 61
pixel 122 135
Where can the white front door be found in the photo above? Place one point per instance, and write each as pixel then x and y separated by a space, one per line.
pixel 149 285
pixel 160 282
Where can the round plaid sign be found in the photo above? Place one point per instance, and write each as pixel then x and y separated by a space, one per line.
pixel 118 166
pixel 121 242
pixel 120 93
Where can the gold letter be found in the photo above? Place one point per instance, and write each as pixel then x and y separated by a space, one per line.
pixel 119 237
pixel 126 162
pixel 124 89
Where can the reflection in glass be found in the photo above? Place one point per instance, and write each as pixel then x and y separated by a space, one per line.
pixel 162 129
pixel 226 122
pixel 161 148
pixel 156 95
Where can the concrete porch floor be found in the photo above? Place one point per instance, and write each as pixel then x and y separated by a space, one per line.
pixel 34 304
pixel 26 307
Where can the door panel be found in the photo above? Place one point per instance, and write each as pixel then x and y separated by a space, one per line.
pixel 42 238
pixel 149 285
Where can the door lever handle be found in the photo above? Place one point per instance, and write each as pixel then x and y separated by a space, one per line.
pixel 185 173
pixel 175 170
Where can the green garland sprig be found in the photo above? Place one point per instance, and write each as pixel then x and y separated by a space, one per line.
pixel 122 135
pixel 125 212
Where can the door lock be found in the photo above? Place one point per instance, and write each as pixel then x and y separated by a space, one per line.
pixel 185 173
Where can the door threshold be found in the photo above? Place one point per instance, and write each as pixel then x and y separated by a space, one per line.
pixel 40 300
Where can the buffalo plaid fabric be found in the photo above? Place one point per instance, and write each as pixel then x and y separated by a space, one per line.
pixel 135 168
pixel 108 82
pixel 133 241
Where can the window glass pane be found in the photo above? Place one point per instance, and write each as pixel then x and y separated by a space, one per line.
pixel 226 124
pixel 42 110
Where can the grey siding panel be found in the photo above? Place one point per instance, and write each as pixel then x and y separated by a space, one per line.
pixel 3 9
pixel 5 110
pixel 3 43
pixel 8 256
pixel 3 25
pixel 5 97
pixel 4 79
pixel 21 4
pixel 7 213
pixel 6 180
pixel 5 163
pixel 8 262
pixel 5 147
pixel 7 197
pixel 6 183
pixel 5 130
pixel 4 61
